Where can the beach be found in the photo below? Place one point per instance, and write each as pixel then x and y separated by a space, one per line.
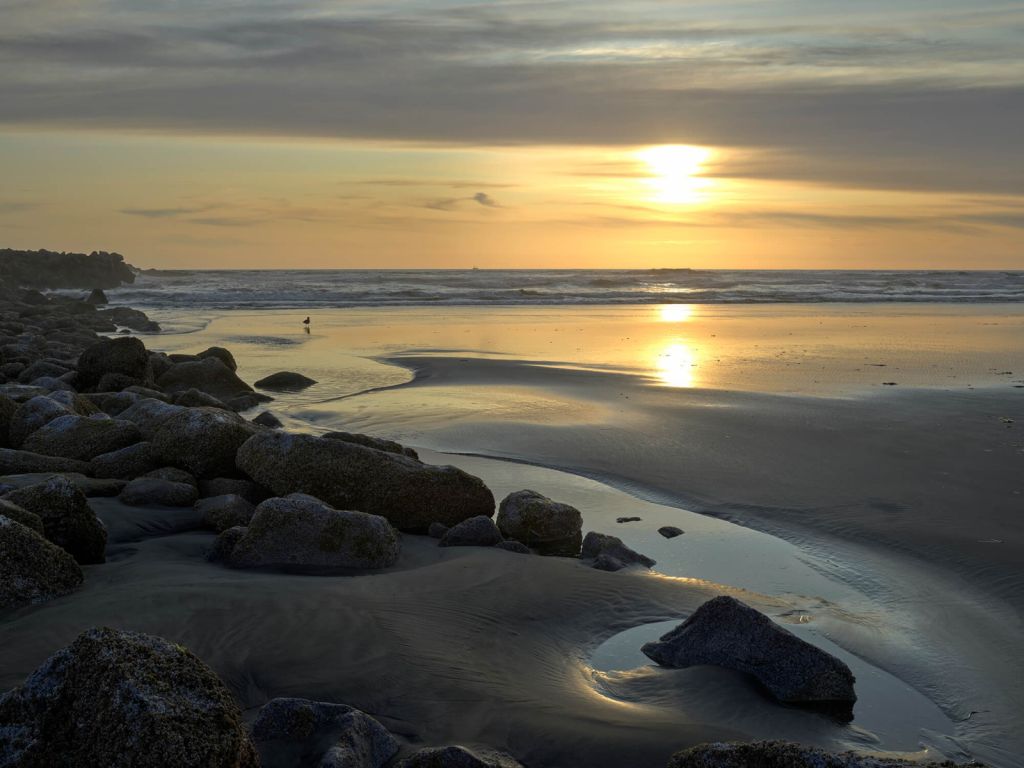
pixel 879 521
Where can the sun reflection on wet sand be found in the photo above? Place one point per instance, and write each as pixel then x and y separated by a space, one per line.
pixel 676 365
pixel 675 313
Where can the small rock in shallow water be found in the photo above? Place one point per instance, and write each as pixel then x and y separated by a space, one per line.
pixel 286 381
pixel 628 519
pixel 670 531
pixel 727 633
pixel 267 419
pixel 609 551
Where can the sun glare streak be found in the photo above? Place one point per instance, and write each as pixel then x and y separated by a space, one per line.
pixel 676 365
pixel 675 313
pixel 675 172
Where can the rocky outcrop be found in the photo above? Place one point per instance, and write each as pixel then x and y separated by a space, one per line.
pixel 208 375
pixel 388 446
pixel 82 437
pixel 293 733
pixel 203 441
pixel 285 381
pixel 727 633
pixel 547 526
pixel 130 318
pixel 97 297
pixel 126 356
pixel 608 553
pixel 67 519
pixel 301 533
pixel 407 492
pixel 223 512
pixel 784 754
pixel 459 757
pixel 115 698
pixel 154 492
pixel 32 570
pixel 479 531
pixel 53 269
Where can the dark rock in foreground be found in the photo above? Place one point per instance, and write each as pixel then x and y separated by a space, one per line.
pixel 227 511
pixel 116 698
pixel 784 754
pixel 67 519
pixel 301 533
pixel 14 462
pixel 203 441
pixel 459 757
pixel 125 356
pixel 410 494
pixel 23 516
pixel 670 531
pixel 610 554
pixel 209 375
pixel 285 381
pixel 479 531
pixel 267 419
pixel 389 446
pixel 82 437
pixel 31 570
pixel 152 491
pixel 293 733
pixel 727 633
pixel 550 527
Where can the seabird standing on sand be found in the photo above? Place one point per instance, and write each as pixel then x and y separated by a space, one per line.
pixel 306 321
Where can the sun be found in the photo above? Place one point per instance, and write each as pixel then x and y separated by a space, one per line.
pixel 675 172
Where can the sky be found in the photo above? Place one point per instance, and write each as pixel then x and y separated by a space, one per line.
pixel 515 133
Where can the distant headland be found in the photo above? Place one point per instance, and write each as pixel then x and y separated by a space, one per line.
pixel 52 269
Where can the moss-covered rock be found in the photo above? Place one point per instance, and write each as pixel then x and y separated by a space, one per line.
pixel 82 437
pixel 203 441
pixel 67 519
pixel 118 699
pixel 31 570
pixel 301 533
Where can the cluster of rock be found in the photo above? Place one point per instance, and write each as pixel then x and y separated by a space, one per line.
pixel 52 269
pixel 785 754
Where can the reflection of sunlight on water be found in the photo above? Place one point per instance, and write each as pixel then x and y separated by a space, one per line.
pixel 675 313
pixel 676 365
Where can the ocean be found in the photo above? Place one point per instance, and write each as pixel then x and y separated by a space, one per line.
pixel 316 289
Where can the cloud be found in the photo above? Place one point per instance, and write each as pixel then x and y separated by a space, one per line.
pixel 485 200
pixel 161 213
pixel 16 206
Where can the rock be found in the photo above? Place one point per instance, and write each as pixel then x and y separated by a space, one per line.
pixel 203 441
pixel 14 462
pixel 116 403
pixel 348 476
pixel 32 570
pixel 302 533
pixel 611 551
pixel 437 530
pixel 285 381
pixel 193 398
pixel 67 519
pixel 142 391
pixel 221 354
pixel 90 486
pixel 7 409
pixel 458 757
pixel 97 297
pixel 209 375
pixel 670 531
pixel 151 491
pixel 389 446
pixel 628 519
pixel 116 382
pixel 33 414
pixel 160 362
pixel 267 419
pixel 149 415
pixel 784 754
pixel 223 512
pixel 726 633
pixel 225 544
pixel 245 402
pixel 126 463
pixel 126 356
pixel 74 402
pixel 479 531
pixel 130 318
pixel 23 516
pixel 174 475
pixel 247 489
pixel 294 733
pixel 511 545
pixel 82 437
pixel 41 368
pixel 115 698
pixel 538 522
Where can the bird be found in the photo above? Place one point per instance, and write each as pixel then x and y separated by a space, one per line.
pixel 306 321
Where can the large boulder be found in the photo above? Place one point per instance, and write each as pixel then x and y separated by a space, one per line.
pixel 285 381
pixel 127 463
pixel 67 519
pixel 31 570
pixel 550 527
pixel 784 754
pixel 82 437
pixel 96 297
pixel 115 698
pixel 130 318
pixel 389 446
pixel 203 441
pixel 224 355
pixel 152 491
pixel 193 398
pixel 407 492
pixel 223 512
pixel 208 375
pixel 479 531
pixel 33 414
pixel 14 462
pixel 126 356
pixel 295 733
pixel 301 533
pixel 459 757
pixel 610 554
pixel 727 633
pixel 149 415
pixel 23 516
